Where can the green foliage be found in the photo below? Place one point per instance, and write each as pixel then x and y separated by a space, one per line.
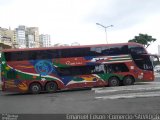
pixel 143 39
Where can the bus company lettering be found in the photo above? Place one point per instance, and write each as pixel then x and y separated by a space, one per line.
pixel 74 63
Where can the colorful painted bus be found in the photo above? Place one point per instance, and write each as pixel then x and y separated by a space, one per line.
pixel 60 68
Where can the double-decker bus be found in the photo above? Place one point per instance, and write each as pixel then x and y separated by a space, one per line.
pixel 59 68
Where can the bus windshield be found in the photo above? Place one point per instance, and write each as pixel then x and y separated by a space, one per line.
pixel 140 58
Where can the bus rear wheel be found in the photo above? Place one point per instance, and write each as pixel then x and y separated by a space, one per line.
pixel 51 87
pixel 35 88
pixel 128 80
pixel 113 81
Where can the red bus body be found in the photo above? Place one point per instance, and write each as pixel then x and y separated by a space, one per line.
pixel 59 68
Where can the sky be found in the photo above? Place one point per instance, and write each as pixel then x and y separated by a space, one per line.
pixel 69 21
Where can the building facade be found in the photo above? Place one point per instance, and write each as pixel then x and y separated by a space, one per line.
pixel 21 36
pixel 6 36
pixel 31 41
pixel 45 40
pixel 32 34
pixel 27 37
pixel 24 37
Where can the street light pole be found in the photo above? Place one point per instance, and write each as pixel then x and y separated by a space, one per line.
pixel 105 27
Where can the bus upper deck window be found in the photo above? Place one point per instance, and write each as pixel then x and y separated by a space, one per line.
pixel 137 50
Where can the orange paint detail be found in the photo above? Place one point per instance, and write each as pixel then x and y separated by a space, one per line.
pixel 23 86
pixel 10 84
pixel 22 66
pixel 88 77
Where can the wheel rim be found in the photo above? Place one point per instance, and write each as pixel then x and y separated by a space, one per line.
pixel 114 82
pixel 128 81
pixel 51 87
pixel 35 88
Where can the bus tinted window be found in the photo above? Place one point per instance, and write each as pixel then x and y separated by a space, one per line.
pixel 137 50
pixel 45 54
pixel 119 67
pixel 74 52
pixel 143 62
pixel 31 55
pixel 15 56
pixel 97 69
pixel 65 53
pixel 112 50
pixel 80 70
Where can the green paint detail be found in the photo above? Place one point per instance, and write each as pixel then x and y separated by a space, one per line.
pixel 56 62
pixel 116 57
pixel 23 76
pixel 123 60
pixel 18 74
pixel 78 79
pixel 105 77
pixel 3 66
pixel 27 76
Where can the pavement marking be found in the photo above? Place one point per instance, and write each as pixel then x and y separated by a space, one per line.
pixel 129 88
pixel 143 86
pixel 130 95
pixel 143 89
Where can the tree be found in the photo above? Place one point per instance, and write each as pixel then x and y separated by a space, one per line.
pixel 143 39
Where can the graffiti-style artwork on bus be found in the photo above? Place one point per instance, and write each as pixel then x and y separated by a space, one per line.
pixel 50 72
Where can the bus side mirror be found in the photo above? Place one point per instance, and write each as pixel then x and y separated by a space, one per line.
pixel 154 58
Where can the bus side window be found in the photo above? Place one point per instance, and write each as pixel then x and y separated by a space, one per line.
pixel 63 72
pixel 109 68
pixel 114 68
pixel 99 69
pixel 117 69
pixel 137 50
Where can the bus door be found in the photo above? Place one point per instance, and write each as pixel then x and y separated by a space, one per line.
pixel 148 65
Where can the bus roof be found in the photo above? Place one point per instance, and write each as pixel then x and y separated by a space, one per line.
pixel 65 47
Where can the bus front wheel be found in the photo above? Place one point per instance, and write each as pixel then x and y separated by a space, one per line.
pixel 128 80
pixel 113 81
pixel 35 88
pixel 51 87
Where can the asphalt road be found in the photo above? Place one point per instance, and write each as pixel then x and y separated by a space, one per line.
pixel 139 98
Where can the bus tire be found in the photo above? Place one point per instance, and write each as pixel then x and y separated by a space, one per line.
pixel 128 80
pixel 51 87
pixel 113 81
pixel 35 88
